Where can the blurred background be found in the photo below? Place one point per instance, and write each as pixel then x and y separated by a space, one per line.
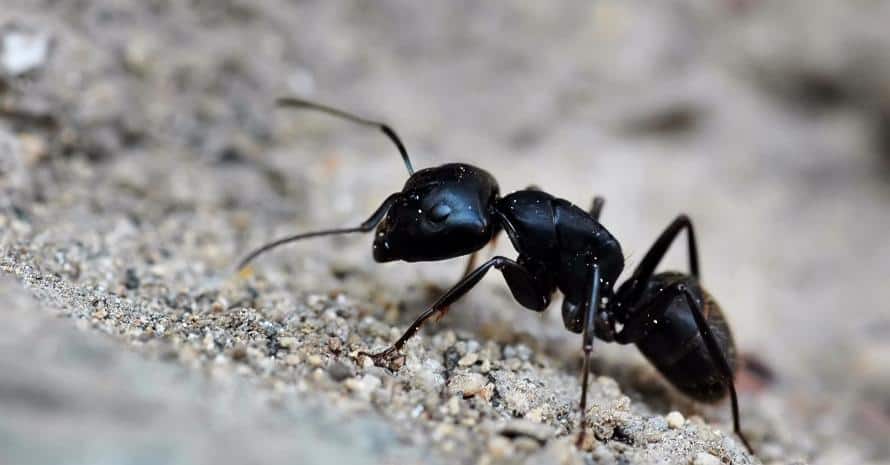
pixel 768 122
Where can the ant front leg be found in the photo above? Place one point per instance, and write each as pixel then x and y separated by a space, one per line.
pixel 471 265
pixel 524 285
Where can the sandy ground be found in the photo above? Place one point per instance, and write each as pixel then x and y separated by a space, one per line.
pixel 141 155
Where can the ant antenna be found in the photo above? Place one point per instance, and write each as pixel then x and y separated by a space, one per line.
pixel 285 240
pixel 367 226
pixel 295 102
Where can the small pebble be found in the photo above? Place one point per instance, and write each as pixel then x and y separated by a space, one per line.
pixel 339 371
pixel 487 392
pixel 319 375
pixel 452 407
pixel 468 359
pixel 526 445
pixel 466 384
pixel 138 55
pixel 442 431
pixel 602 454
pixel 557 452
pixel 536 414
pixel 704 458
pixel 23 51
pixel 675 420
pixel 239 352
pixel 363 386
pixel 500 447
pixel 131 280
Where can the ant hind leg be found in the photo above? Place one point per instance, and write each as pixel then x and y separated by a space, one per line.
pixel 644 318
pixel 633 288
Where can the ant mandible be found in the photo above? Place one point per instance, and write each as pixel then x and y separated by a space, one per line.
pixel 456 209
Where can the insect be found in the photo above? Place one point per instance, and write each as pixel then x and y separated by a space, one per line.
pixel 456 209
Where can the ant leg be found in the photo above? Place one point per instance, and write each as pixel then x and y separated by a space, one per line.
pixel 664 241
pixel 587 345
pixel 597 207
pixel 637 282
pixel 718 356
pixel 643 320
pixel 471 265
pixel 367 226
pixel 514 272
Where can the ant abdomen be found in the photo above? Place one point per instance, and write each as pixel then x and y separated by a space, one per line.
pixel 675 346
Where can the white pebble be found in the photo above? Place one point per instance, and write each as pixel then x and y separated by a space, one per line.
pixel 23 52
pixel 467 384
pixel 500 447
pixel 363 386
pixel 675 420
pixel 468 359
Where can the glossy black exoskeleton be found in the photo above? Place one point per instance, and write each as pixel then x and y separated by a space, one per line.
pixel 456 209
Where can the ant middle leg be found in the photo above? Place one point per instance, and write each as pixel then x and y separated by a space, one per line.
pixel 525 287
pixel 587 334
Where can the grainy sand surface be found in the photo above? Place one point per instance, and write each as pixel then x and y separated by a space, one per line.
pixel 141 155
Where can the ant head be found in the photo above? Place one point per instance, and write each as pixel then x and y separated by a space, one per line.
pixel 441 213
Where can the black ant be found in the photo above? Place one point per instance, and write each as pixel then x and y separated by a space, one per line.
pixel 456 209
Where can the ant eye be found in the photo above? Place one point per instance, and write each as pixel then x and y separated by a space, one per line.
pixel 439 212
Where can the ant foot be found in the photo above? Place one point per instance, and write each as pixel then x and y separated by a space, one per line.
pixel 384 358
